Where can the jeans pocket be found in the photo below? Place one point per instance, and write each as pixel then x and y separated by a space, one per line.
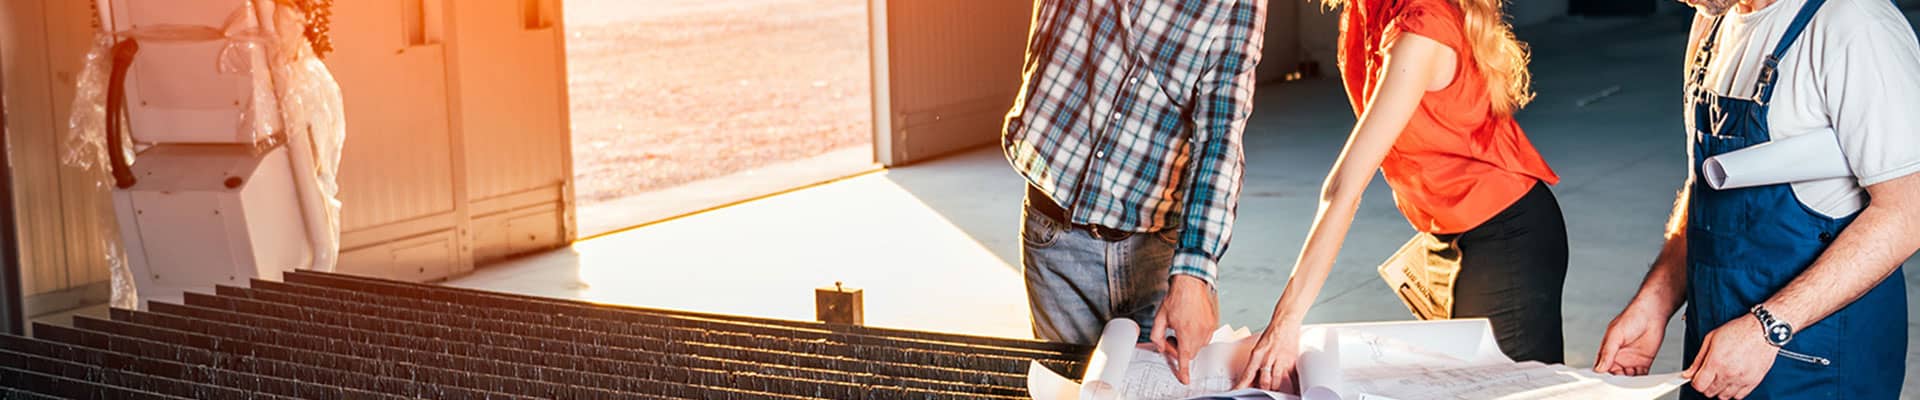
pixel 1038 231
pixel 1170 236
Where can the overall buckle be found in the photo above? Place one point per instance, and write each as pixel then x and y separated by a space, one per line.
pixel 1763 90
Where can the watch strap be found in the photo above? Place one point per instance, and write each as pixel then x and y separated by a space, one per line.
pixel 1777 332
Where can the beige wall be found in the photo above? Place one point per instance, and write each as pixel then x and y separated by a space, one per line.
pixel 458 151
pixel 1317 29
pixel 946 73
pixel 1302 30
pixel 1529 12
pixel 59 208
pixel 510 97
pixel 1282 52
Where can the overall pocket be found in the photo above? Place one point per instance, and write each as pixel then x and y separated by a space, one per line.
pixel 1806 368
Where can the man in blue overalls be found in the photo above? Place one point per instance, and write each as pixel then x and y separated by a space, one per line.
pixel 1794 289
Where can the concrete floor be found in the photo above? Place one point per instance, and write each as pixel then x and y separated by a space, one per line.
pixel 935 246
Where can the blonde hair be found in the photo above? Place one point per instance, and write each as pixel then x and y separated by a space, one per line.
pixel 1496 52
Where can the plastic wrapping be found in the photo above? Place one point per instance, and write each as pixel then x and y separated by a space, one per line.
pixel 314 112
pixel 85 147
pixel 245 52
pixel 292 89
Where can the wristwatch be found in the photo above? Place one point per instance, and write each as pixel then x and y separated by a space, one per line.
pixel 1778 332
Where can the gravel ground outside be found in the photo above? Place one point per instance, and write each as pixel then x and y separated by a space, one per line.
pixel 666 92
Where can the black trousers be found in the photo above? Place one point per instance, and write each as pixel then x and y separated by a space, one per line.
pixel 1512 269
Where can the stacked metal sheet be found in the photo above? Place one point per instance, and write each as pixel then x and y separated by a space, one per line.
pixel 329 336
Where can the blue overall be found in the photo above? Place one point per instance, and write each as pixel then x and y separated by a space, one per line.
pixel 1744 245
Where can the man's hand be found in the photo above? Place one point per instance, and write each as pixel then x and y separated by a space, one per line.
pixel 1271 366
pixel 1189 309
pixel 1631 342
pixel 1732 360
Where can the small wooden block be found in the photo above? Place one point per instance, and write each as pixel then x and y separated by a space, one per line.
pixel 838 304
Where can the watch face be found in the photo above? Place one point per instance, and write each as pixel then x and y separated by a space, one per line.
pixel 1778 334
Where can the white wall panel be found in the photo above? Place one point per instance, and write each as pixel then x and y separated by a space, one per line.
pixel 510 111
pixel 86 203
pixel 952 69
pixel 58 207
pixel 31 139
pixel 397 164
pixel 511 97
pixel 457 112
pixel 397 175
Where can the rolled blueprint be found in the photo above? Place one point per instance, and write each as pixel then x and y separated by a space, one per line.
pixel 1812 156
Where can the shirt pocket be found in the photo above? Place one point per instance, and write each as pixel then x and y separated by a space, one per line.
pixel 1161 101
pixel 1170 81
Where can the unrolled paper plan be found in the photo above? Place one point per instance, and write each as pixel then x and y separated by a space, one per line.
pixel 1123 370
pixel 1448 359
pixel 1414 360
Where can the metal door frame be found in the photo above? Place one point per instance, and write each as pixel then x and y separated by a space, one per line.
pixel 12 312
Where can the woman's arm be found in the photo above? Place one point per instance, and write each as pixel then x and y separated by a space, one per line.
pixel 1414 65
pixel 1409 73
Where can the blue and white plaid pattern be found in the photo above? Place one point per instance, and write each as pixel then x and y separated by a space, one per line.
pixel 1131 115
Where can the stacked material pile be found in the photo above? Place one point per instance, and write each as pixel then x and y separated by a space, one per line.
pixel 320 335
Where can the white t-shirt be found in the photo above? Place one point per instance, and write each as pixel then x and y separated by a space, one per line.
pixel 1856 69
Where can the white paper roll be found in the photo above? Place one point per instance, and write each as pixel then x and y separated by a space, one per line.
pixel 1812 156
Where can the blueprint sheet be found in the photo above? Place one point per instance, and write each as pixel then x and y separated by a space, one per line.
pixel 1450 360
pixel 1123 370
pixel 1413 360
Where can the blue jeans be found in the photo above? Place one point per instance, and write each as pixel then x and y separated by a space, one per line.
pixel 1076 282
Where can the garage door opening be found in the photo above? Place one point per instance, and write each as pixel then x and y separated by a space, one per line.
pixel 684 105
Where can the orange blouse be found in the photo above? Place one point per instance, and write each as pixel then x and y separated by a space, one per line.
pixel 1458 163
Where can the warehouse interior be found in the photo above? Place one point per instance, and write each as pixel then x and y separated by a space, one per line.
pixel 459 170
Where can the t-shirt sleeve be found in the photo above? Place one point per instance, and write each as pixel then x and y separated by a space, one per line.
pixel 1871 84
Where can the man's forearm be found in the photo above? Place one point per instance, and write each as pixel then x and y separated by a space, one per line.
pixel 1869 250
pixel 1665 286
pixel 1214 174
pixel 1212 196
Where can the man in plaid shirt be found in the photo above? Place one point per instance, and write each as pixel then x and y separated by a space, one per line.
pixel 1128 130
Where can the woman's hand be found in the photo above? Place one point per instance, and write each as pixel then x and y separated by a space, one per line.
pixel 1270 367
pixel 1413 64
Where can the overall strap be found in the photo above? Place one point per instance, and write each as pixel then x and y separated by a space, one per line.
pixel 1703 55
pixel 1769 68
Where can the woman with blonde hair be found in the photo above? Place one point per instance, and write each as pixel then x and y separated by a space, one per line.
pixel 1435 84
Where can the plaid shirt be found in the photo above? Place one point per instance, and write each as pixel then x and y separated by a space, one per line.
pixel 1131 115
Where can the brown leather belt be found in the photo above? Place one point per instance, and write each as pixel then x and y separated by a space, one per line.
pixel 1045 206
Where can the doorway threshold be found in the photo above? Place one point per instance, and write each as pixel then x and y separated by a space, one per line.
pixel 638 210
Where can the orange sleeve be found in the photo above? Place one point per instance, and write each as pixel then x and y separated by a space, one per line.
pixel 1434 19
pixel 1352 56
